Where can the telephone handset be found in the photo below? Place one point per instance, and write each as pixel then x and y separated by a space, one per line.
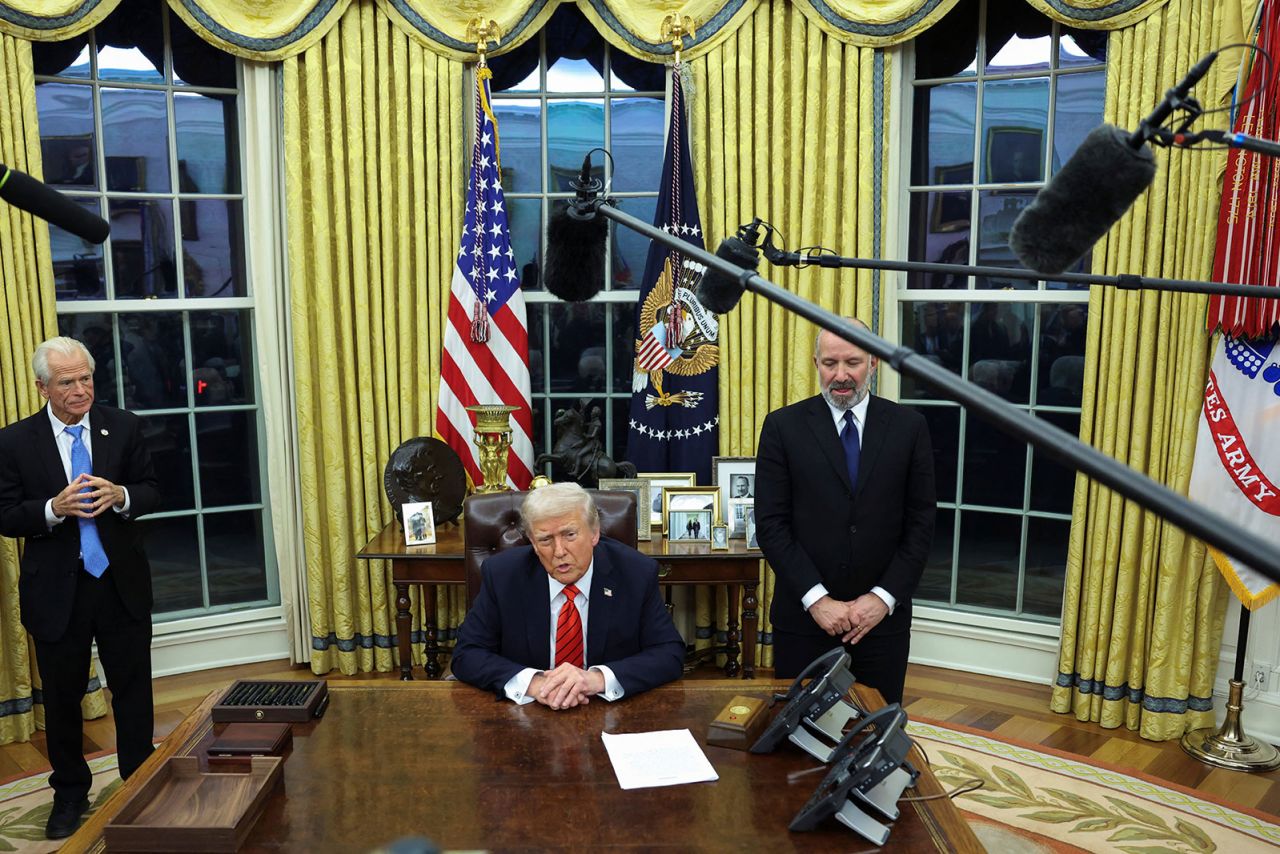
pixel 813 702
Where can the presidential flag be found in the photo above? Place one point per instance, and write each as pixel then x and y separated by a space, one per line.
pixel 486 338
pixel 674 425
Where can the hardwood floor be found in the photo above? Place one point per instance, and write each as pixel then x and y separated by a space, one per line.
pixel 1003 707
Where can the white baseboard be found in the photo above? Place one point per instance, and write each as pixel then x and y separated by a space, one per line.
pixel 977 643
pixel 209 647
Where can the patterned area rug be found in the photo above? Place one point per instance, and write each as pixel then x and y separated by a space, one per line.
pixel 25 803
pixel 1035 799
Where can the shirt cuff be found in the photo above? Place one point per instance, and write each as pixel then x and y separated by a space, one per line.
pixel 517 687
pixel 612 687
pixel 123 511
pixel 815 593
pixel 886 597
pixel 51 518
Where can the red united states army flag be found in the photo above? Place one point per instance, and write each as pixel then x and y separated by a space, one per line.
pixel 1237 462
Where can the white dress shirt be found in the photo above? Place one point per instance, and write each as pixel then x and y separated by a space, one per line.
pixel 63 440
pixel 517 687
pixel 859 411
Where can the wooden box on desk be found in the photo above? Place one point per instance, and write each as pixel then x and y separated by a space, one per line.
pixel 237 744
pixel 182 809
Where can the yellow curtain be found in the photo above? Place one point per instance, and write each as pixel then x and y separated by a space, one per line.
pixel 26 318
pixel 1143 607
pixel 754 102
pixel 373 128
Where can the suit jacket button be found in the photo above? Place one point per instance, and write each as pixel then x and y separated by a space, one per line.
pixel 853 529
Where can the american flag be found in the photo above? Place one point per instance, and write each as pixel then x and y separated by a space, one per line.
pixel 486 340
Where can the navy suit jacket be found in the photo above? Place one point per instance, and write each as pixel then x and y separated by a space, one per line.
pixel 509 625
pixel 31 473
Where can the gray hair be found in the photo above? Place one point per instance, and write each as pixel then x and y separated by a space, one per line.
pixel 63 346
pixel 558 499
pixel 817 339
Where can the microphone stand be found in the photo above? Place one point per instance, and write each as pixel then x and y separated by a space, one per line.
pixel 1206 524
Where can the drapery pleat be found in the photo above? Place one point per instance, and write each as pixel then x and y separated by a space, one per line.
pixel 1143 608
pixel 373 128
pixel 26 318
pixel 267 30
pixel 754 103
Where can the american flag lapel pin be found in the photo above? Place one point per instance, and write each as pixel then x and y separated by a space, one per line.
pixel 608 592
pixel 104 432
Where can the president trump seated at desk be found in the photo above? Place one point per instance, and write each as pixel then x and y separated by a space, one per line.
pixel 572 616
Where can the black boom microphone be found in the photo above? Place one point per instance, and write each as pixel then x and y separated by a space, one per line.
pixel 718 291
pixel 1094 188
pixel 36 198
pixel 576 238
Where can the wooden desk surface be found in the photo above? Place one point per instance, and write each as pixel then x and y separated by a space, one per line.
pixel 451 763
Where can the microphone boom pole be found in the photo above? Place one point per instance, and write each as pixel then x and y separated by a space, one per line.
pixel 1198 520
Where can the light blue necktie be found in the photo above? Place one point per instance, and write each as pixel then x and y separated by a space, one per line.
pixel 852 449
pixel 95 559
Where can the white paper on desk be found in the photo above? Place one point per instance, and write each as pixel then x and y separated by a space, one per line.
pixel 669 757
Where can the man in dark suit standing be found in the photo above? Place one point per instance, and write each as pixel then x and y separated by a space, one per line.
pixel 73 477
pixel 570 617
pixel 844 512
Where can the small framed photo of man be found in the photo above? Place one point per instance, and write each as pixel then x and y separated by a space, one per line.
pixel 719 538
pixel 419 523
pixel 736 477
pixel 737 517
pixel 689 526
pixel 752 543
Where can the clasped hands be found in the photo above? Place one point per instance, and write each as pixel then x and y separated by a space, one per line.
pixel 102 493
pixel 850 620
pixel 566 686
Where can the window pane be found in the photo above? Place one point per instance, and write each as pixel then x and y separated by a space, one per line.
pixel 935 583
pixel 987 575
pixel 173 550
pixel 577 347
pixel 630 248
pixel 1077 110
pixel 1053 483
pixel 207 136
pixel 1000 348
pixel 944 433
pixel 152 352
pixel 573 129
pixel 67 141
pixel 541 435
pixel 1046 566
pixel 520 130
pixel 135 131
pixel 227 447
pixel 621 427
pixel 997 211
pixel 950 47
pixel 537 348
pixel 233 547
pixel 212 248
pixel 168 438
pixel 1017 54
pixel 940 234
pixel 524 219
pixel 222 357
pixel 1060 380
pixel 636 131
pixel 575 75
pixel 995 466
pixel 1081 47
pixel 624 346
pixel 935 330
pixel 1015 117
pixel 78 265
pixel 51 58
pixel 94 332
pixel 142 248
pixel 129 63
pixel 943 135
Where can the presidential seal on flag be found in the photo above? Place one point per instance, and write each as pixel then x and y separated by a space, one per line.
pixel 681 337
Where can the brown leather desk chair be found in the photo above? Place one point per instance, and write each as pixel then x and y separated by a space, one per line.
pixel 491 523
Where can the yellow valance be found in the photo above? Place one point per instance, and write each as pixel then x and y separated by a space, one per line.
pixel 268 30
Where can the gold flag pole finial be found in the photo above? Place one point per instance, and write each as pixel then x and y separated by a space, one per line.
pixel 674 29
pixel 482 32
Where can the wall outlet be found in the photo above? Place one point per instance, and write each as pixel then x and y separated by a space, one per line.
pixel 1259 681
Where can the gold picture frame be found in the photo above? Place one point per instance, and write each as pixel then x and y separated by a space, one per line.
pixel 690 512
pixel 658 482
pixel 643 489
pixel 719 538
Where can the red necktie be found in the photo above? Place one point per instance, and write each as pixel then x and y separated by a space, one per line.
pixel 569 631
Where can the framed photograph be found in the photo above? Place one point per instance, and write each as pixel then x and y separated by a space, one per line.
pixel 736 518
pixel 689 526
pixel 750 520
pixel 719 538
pixel 419 523
pixel 658 482
pixel 642 489
pixel 736 477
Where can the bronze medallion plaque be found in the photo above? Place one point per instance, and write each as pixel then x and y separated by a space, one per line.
pixel 426 469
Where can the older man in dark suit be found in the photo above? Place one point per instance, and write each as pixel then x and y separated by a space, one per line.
pixel 572 616
pixel 73 477
pixel 845 512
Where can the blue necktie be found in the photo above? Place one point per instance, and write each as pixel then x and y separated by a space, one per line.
pixel 852 449
pixel 95 559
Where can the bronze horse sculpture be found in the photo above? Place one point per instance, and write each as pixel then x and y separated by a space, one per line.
pixel 578 454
